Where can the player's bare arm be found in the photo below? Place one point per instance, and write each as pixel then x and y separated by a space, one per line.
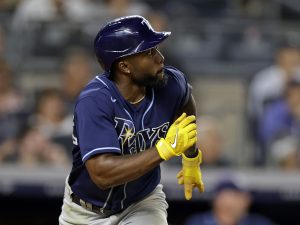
pixel 190 109
pixel 109 170
pixel 190 175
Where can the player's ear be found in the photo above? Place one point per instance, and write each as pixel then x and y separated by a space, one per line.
pixel 123 66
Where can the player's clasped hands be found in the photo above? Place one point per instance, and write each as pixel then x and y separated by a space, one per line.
pixel 181 136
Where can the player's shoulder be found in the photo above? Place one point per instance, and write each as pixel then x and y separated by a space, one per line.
pixel 175 74
pixel 173 71
pixel 267 74
pixel 96 89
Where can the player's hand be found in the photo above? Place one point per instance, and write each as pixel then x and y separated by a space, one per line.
pixel 180 136
pixel 190 176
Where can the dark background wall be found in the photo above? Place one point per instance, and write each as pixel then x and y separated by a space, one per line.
pixel 45 210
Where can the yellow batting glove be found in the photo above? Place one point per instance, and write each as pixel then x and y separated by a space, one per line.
pixel 190 176
pixel 180 137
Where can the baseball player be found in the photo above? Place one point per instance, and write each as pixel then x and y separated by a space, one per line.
pixel 128 120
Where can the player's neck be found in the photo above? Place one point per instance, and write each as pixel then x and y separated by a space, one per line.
pixel 135 95
pixel 132 93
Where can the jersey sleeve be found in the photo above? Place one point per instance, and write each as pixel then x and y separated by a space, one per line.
pixel 95 127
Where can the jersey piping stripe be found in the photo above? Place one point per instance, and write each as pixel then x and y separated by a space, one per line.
pixel 108 197
pixel 125 196
pixel 102 81
pixel 128 114
pixel 99 149
pixel 152 100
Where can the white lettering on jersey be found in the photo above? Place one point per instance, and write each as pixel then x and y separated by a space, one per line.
pixel 74 139
pixel 133 142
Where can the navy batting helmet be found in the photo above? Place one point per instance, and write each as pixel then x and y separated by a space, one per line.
pixel 125 36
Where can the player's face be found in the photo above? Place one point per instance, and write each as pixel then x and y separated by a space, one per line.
pixel 147 68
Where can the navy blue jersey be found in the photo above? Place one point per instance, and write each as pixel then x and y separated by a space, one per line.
pixel 104 122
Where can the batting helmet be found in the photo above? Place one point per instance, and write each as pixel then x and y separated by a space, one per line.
pixel 125 36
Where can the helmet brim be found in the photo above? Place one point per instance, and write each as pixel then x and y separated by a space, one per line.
pixel 149 43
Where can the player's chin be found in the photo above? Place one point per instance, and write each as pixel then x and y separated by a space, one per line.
pixel 160 74
pixel 161 80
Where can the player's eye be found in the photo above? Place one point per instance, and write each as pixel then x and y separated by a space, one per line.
pixel 150 52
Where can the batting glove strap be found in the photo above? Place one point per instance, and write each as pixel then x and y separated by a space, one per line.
pixel 181 136
pixel 191 162
pixel 165 151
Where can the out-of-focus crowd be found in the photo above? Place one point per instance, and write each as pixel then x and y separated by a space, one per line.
pixel 273 114
pixel 36 121
pixel 36 125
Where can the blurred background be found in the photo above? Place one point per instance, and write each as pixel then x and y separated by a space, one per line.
pixel 241 56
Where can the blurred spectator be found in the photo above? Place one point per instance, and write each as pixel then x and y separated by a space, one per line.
pixel 8 6
pixel 8 153
pixel 11 100
pixel 12 112
pixel 230 206
pixel 251 46
pixel 77 70
pixel 52 120
pixel 269 84
pixel 282 117
pixel 210 141
pixel 51 117
pixel 30 11
pixel 36 149
pixel 285 153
